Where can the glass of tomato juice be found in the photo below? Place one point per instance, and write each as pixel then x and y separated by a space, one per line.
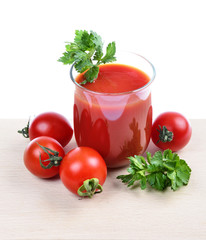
pixel 114 113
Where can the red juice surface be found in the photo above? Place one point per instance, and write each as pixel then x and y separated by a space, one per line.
pixel 116 78
pixel 113 118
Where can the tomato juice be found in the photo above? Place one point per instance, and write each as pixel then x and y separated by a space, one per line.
pixel 116 78
pixel 114 114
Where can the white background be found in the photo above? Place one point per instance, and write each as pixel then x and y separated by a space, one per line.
pixel 171 34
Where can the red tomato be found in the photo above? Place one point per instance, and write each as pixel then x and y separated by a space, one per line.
pixel 171 130
pixel 33 152
pixel 52 125
pixel 79 165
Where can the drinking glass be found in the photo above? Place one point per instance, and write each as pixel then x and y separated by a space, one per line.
pixel 117 125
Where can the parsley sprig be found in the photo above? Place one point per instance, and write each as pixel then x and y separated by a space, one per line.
pixel 160 171
pixel 86 52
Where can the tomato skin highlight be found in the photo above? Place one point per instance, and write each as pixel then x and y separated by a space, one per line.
pixel 53 125
pixel 178 125
pixel 80 164
pixel 31 156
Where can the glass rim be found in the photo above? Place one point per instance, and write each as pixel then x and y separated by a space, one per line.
pixel 121 93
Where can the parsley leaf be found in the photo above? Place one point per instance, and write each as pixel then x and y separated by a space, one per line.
pixel 160 171
pixel 86 53
pixel 180 174
pixel 92 73
pixel 137 172
pixel 157 159
pixel 110 52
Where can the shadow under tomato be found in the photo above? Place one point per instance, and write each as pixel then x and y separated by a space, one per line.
pixel 52 179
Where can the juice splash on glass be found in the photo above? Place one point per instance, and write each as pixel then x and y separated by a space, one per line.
pixel 114 113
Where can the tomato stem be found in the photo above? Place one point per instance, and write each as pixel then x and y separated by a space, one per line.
pixel 25 130
pixel 54 159
pixel 89 188
pixel 165 135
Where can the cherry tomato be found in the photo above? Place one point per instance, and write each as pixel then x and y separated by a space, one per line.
pixel 171 130
pixel 49 124
pixel 34 153
pixel 83 171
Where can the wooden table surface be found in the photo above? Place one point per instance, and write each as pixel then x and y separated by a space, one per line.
pixel 33 208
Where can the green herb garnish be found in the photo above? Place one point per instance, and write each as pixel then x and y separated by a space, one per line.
pixel 160 171
pixel 86 52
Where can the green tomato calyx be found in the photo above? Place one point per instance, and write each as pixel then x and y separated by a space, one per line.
pixel 54 159
pixel 164 134
pixel 89 188
pixel 25 130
